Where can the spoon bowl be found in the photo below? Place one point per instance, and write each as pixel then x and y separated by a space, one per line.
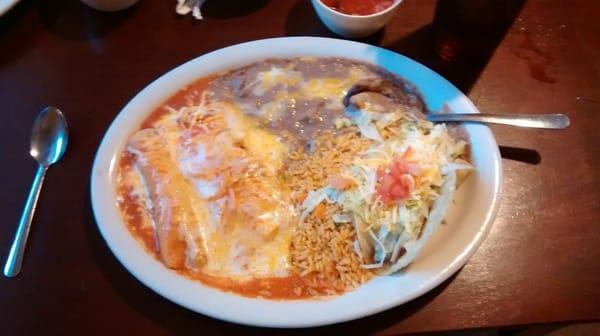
pixel 49 136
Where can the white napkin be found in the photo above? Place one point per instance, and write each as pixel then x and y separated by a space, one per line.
pixel 184 7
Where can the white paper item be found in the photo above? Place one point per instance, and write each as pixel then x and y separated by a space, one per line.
pixel 185 7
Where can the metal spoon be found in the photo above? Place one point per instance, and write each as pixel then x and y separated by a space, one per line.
pixel 393 91
pixel 48 144
pixel 549 121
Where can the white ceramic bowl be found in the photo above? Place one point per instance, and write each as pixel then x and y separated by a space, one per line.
pixel 354 26
pixel 466 225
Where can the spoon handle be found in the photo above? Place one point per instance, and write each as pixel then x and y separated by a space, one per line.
pixel 17 249
pixel 550 121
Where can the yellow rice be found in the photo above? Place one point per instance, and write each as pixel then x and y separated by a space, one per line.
pixel 322 251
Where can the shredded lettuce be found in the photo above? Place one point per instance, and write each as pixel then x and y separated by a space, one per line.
pixel 364 121
pixel 447 168
pixel 314 198
pixel 342 217
pixel 383 230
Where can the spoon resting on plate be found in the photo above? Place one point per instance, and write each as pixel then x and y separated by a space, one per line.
pixel 390 90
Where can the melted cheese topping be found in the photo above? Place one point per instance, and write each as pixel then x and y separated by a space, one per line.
pixel 296 87
pixel 268 80
pixel 231 165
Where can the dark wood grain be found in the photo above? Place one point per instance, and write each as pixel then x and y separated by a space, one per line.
pixel 540 263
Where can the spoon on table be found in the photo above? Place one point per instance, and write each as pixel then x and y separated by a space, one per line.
pixel 390 90
pixel 48 144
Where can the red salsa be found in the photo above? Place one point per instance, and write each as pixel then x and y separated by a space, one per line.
pixel 358 7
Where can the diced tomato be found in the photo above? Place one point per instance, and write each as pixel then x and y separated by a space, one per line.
pixel 386 199
pixel 413 169
pixel 340 182
pixel 408 182
pixel 386 183
pixel 398 168
pixel 398 191
pixel 397 181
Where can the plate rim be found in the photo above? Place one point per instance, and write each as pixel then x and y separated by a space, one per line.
pixel 447 272
pixel 6 6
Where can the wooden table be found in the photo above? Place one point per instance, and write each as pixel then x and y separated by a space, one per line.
pixel 540 263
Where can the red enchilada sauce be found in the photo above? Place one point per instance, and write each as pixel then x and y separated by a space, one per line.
pixel 358 7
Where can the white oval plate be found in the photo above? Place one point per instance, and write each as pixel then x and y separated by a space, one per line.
pixel 467 223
